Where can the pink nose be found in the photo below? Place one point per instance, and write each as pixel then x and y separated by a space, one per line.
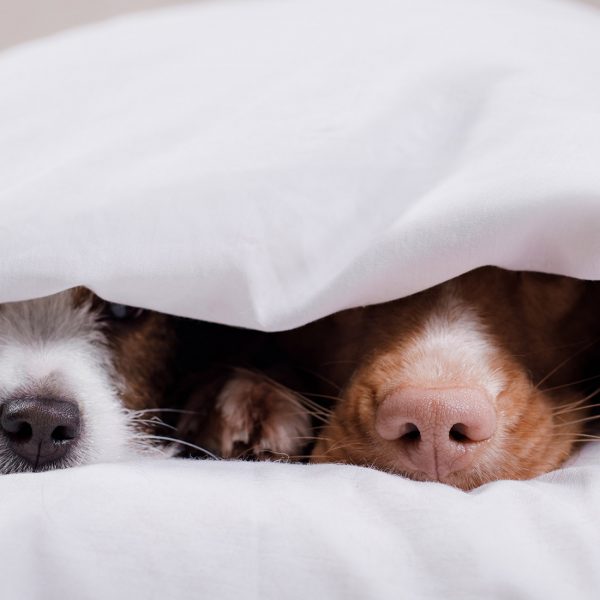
pixel 437 429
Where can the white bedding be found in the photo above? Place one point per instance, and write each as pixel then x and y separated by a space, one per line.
pixel 264 163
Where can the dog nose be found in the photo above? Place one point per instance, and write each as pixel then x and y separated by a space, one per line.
pixel 40 430
pixel 439 431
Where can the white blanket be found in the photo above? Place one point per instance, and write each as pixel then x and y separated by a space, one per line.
pixel 264 163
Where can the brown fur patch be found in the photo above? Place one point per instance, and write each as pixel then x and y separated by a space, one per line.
pixel 143 350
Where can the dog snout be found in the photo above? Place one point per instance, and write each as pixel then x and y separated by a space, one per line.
pixel 438 431
pixel 40 430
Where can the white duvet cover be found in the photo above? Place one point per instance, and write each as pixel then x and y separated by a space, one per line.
pixel 264 163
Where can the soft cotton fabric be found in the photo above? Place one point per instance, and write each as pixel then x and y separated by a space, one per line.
pixel 264 163
pixel 187 529
pixel 267 162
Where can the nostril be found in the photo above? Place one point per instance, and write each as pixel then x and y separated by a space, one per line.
pixel 411 433
pixel 63 433
pixel 20 432
pixel 458 433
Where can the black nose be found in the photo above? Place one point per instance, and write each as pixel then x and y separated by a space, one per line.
pixel 40 430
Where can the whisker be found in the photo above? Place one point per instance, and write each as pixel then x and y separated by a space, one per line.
pixel 153 422
pixel 564 385
pixel 305 456
pixel 569 407
pixel 321 377
pixel 312 438
pixel 283 456
pixel 175 441
pixel 326 396
pixel 565 361
pixel 304 411
pixel 307 400
pixel 344 444
pixel 307 404
pixel 575 409
pixel 577 436
pixel 169 410
pixel 324 419
pixel 585 420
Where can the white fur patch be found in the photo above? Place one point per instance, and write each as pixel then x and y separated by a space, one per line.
pixel 453 349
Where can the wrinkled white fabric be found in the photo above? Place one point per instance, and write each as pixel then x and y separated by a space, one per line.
pixel 264 163
pixel 267 162
pixel 195 529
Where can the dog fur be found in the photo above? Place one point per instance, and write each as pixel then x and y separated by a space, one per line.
pixel 524 339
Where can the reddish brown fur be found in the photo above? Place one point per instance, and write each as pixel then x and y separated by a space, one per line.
pixel 144 352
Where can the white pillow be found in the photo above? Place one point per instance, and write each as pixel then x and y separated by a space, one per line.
pixel 264 163
pixel 267 162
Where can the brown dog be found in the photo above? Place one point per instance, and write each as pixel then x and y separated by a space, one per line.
pixel 465 383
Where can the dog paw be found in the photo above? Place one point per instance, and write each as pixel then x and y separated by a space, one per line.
pixel 256 417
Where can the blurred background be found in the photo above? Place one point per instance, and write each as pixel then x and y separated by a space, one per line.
pixel 22 20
